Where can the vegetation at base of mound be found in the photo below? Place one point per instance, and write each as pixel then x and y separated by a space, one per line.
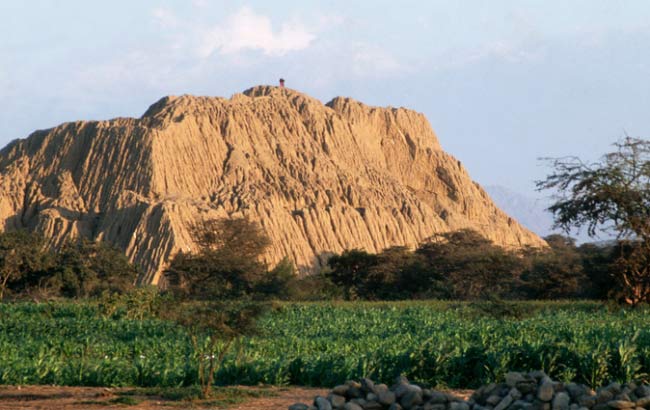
pixel 319 344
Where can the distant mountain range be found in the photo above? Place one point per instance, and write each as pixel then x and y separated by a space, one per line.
pixel 531 212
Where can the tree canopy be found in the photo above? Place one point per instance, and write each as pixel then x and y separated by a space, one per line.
pixel 611 194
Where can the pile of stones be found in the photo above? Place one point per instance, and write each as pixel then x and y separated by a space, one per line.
pixel 367 395
pixel 520 391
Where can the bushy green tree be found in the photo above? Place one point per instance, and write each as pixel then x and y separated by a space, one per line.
pixel 555 273
pixel 213 328
pixel 22 258
pixel 612 194
pixel 471 265
pixel 393 274
pixel 598 264
pixel 85 269
pixel 349 271
pixel 227 265
pixel 213 289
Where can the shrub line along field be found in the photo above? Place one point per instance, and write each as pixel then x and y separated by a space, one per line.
pixel 439 344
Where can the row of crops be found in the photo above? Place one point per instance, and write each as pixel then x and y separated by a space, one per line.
pixel 435 343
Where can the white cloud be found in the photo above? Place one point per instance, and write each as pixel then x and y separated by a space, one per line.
pixel 200 3
pixel 522 52
pixel 373 60
pixel 165 17
pixel 247 30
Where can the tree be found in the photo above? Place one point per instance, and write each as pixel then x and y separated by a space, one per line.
pixel 598 262
pixel 471 265
pixel 227 265
pixel 213 288
pixel 400 273
pixel 349 270
pixel 22 254
pixel 213 328
pixel 556 272
pixel 86 269
pixel 612 194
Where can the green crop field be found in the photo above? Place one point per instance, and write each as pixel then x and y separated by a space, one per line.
pixel 434 343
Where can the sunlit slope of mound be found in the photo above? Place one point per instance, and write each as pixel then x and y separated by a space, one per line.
pixel 319 178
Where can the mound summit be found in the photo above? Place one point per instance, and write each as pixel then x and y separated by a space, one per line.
pixel 319 178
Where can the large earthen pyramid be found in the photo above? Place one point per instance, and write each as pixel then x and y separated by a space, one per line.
pixel 319 178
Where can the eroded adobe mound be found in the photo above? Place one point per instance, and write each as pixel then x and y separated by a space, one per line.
pixel 319 178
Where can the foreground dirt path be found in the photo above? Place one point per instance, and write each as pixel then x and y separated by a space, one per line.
pixel 95 398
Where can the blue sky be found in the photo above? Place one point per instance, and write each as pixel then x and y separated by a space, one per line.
pixel 502 82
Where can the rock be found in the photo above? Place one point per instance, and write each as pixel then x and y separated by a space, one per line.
pixel 322 403
pixel 371 397
pixel 403 389
pixel 642 391
pixel 545 379
pixel 299 406
pixel 504 403
pixel 489 388
pixel 352 406
pixel 372 405
pixel 458 406
pixel 336 400
pixel 411 398
pixel 615 388
pixel 354 392
pixel 387 398
pixel 341 390
pixel 514 393
pixel 367 385
pixel 512 378
pixel 521 405
pixel 278 156
pixel 527 386
pixel 574 390
pixel 561 401
pixel 537 375
pixel 643 402
pixel 401 379
pixel 437 397
pixel 621 404
pixel 604 396
pixel 395 406
pixel 493 400
pixel 380 388
pixel 545 391
pixel 587 401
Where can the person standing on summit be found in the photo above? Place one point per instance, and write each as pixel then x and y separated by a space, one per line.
pixel 281 82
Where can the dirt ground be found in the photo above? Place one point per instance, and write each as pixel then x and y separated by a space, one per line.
pixel 95 398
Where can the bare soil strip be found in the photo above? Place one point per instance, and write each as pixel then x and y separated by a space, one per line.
pixel 95 398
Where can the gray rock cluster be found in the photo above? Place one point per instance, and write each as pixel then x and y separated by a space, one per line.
pixel 366 395
pixel 520 391
pixel 536 391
